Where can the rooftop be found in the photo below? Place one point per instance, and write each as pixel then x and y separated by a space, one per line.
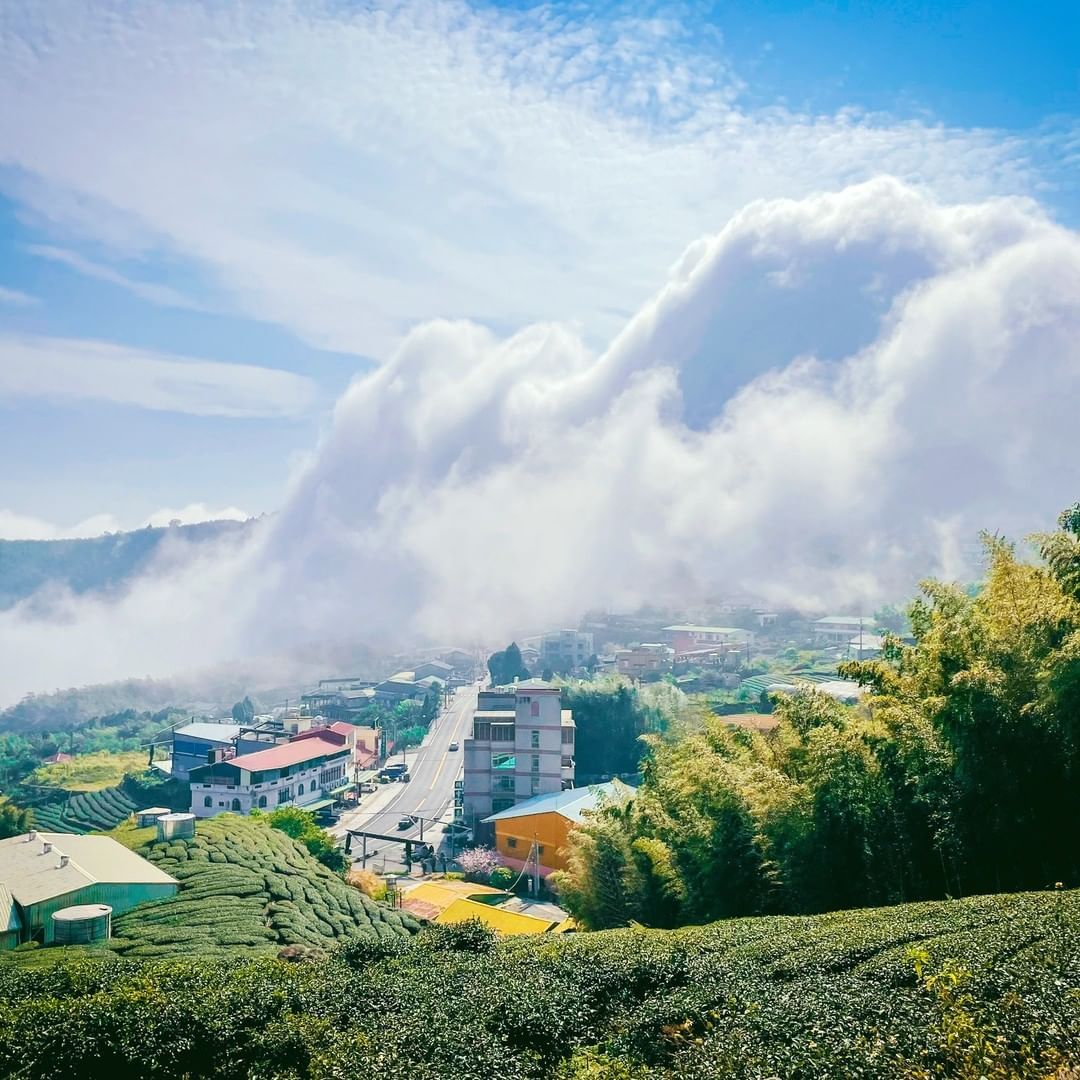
pixel 290 753
pixel 222 733
pixel 32 874
pixel 847 620
pixel 691 628
pixel 500 920
pixel 570 804
pixel 535 684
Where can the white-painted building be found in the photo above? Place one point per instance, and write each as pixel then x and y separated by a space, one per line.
pixel 521 745
pixel 303 772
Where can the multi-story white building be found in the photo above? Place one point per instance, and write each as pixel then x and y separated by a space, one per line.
pixel 566 648
pixel 521 745
pixel 305 771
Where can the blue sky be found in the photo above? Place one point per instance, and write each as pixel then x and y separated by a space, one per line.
pixel 286 189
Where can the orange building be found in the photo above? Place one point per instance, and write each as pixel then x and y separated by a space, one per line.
pixel 546 821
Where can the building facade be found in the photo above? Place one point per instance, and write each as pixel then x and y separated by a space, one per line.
pixel 690 638
pixel 840 629
pixel 46 872
pixel 521 745
pixel 540 827
pixel 305 771
pixel 641 660
pixel 564 649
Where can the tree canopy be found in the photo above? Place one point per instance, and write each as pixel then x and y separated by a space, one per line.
pixel 959 773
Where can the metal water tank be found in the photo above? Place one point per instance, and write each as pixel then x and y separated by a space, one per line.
pixel 84 924
pixel 150 815
pixel 175 826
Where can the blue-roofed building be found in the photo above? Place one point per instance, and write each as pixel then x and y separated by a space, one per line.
pixel 542 825
pixel 192 744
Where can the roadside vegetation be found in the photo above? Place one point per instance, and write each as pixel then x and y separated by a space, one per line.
pixel 89 772
pixel 985 987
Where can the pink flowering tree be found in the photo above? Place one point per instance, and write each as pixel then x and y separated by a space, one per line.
pixel 477 863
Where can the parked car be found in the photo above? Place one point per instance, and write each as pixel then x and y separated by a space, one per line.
pixel 405 823
pixel 454 745
pixel 368 788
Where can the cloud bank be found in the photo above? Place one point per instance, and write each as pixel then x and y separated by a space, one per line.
pixel 15 526
pixel 822 403
pixel 349 170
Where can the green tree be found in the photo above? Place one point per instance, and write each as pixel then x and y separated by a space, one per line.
pixel 13 820
pixel 506 666
pixel 243 712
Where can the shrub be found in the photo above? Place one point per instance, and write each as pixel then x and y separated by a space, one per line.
pixel 501 877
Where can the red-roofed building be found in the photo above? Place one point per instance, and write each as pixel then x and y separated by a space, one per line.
pixel 306 771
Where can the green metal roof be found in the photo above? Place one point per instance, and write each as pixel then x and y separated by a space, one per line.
pixel 319 804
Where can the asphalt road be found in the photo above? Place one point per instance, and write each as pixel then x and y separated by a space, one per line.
pixel 430 793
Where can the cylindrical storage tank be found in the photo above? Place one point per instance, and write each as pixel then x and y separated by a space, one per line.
pixel 84 924
pixel 149 816
pixel 175 826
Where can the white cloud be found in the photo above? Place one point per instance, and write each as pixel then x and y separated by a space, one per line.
pixel 349 170
pixel 156 294
pixel 921 364
pixel 59 368
pixel 15 526
pixel 15 298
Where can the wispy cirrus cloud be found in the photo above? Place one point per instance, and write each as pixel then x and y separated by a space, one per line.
pixel 63 368
pixel 349 170
pixel 16 298
pixel 163 295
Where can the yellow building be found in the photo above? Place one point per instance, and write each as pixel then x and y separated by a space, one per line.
pixel 546 820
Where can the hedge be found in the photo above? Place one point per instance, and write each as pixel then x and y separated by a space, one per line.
pixel 873 995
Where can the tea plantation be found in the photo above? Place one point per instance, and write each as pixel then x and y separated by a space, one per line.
pixel 833 996
pixel 249 889
pixel 90 811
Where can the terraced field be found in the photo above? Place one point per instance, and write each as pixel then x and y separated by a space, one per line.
pixel 91 811
pixel 249 889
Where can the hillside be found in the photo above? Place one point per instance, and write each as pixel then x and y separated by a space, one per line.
pixel 249 889
pixel 94 563
pixel 829 996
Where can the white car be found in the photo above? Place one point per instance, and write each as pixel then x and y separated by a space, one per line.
pixel 454 745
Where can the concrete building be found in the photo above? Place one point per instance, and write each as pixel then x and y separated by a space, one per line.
pixel 521 745
pixel 687 638
pixel 840 629
pixel 308 772
pixel 645 659
pixel 197 743
pixel 42 873
pixel 564 649
pixel 546 821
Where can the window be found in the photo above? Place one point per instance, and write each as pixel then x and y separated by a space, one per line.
pixel 262 800
pixel 300 790
pixel 482 730
pixel 535 786
pixel 503 761
pixel 534 709
pixel 539 849
pixel 534 739
pixel 502 732
pixel 284 795
pixel 535 763
pixel 504 783
pixel 208 801
pixel 511 841
pixel 236 806
pixel 221 804
pixel 568 736
pixel 498 805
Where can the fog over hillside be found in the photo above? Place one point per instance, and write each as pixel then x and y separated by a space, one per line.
pixel 921 364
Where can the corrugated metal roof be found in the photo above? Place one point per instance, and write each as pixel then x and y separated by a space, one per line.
pixel 219 733
pixel 570 804
pixel 9 913
pixel 33 875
